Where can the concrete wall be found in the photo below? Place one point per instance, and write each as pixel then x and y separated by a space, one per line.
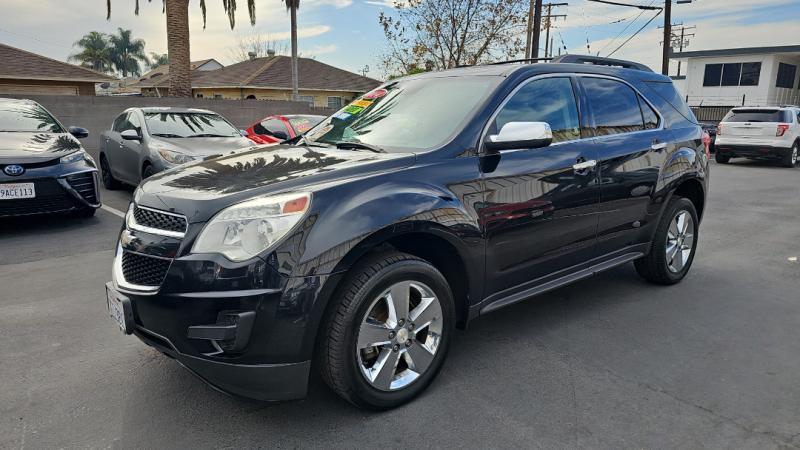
pixel 97 113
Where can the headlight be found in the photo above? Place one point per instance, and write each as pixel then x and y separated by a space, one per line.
pixel 247 229
pixel 175 157
pixel 80 155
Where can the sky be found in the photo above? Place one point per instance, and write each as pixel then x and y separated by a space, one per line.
pixel 346 33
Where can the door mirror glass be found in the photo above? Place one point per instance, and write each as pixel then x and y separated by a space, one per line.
pixel 519 135
pixel 79 132
pixel 130 135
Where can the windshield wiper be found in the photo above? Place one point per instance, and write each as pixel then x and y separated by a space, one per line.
pixel 359 146
pixel 208 135
pixel 167 135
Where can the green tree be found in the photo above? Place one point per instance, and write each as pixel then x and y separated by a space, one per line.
pixel 158 59
pixel 177 12
pixel 127 52
pixel 94 52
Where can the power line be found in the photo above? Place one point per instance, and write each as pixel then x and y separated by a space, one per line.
pixel 623 30
pixel 637 32
pixel 607 2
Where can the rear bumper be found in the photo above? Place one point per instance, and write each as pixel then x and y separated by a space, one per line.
pixel 267 382
pixel 752 150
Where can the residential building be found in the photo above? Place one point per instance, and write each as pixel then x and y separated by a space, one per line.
pixel 26 73
pixel 270 78
pixel 759 76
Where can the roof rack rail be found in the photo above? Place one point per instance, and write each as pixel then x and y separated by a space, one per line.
pixel 511 61
pixel 600 61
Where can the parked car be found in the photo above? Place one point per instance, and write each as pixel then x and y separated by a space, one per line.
pixel 760 133
pixel 43 168
pixel 274 129
pixel 711 129
pixel 144 141
pixel 417 208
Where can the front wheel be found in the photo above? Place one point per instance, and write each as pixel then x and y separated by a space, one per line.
pixel 790 160
pixel 387 335
pixel 673 246
pixel 720 158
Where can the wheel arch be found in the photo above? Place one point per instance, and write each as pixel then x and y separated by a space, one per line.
pixel 692 189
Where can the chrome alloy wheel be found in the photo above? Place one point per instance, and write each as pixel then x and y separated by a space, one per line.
pixel 399 335
pixel 680 241
pixel 794 155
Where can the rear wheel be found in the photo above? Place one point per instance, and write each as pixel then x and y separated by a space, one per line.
pixel 109 182
pixel 387 335
pixel 673 246
pixel 790 159
pixel 720 158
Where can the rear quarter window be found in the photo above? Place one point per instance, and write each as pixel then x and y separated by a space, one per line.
pixel 664 96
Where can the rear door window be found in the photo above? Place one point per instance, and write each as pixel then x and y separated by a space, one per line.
pixel 757 115
pixel 614 105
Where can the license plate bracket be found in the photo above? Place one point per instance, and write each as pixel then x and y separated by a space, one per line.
pixel 119 309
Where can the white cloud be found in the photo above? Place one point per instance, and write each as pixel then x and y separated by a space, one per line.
pixel 338 4
pixel 320 50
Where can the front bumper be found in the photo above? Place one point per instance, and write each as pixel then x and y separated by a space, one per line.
pixel 56 193
pixel 752 150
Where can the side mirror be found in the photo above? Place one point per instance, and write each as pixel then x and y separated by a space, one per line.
pixel 518 135
pixel 280 135
pixel 78 132
pixel 130 135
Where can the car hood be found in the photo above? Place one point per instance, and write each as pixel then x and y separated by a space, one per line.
pixel 203 146
pixel 23 148
pixel 201 189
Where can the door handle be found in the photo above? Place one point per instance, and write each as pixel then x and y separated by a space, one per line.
pixel 658 146
pixel 583 165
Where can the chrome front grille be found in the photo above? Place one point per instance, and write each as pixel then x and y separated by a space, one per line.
pixel 158 222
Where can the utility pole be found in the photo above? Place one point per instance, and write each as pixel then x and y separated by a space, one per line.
pixel 680 39
pixel 667 37
pixel 548 23
pixel 534 29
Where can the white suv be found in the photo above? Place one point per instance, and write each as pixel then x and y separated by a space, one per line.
pixel 764 132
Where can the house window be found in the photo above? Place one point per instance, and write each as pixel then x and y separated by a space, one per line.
pixel 732 74
pixel 786 75
pixel 218 96
pixel 199 95
pixel 713 75
pixel 335 102
pixel 751 73
pixel 307 99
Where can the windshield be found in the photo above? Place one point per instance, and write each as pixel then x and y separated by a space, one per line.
pixel 182 125
pixel 757 115
pixel 27 118
pixel 406 115
pixel 301 124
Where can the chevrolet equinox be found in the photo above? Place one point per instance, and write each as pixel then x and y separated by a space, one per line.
pixel 360 246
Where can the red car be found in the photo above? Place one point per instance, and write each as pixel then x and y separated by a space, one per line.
pixel 273 129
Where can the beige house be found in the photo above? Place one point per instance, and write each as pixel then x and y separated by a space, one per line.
pixel 26 73
pixel 270 78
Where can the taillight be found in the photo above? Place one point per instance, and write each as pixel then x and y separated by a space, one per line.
pixel 719 130
pixel 707 143
pixel 782 128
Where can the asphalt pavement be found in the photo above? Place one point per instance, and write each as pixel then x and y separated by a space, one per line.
pixel 610 362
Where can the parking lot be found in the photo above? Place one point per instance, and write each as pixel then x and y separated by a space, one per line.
pixel 610 362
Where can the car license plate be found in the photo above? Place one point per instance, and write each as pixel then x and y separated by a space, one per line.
pixel 17 191
pixel 119 308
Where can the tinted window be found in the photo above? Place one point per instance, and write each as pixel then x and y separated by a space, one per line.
pixel 669 103
pixel 786 75
pixel 731 74
pixel 757 115
pixel 751 73
pixel 175 125
pixel 27 116
pixel 713 75
pixel 650 116
pixel 272 126
pixel 550 100
pixel 615 106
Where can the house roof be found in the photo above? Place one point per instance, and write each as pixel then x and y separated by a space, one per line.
pixel 738 51
pixel 163 69
pixel 274 72
pixel 23 65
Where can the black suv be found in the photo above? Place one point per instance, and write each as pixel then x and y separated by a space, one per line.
pixel 418 207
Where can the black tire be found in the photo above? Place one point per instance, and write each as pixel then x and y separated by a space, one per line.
pixel 148 171
pixel 337 354
pixel 722 159
pixel 790 159
pixel 654 267
pixel 109 182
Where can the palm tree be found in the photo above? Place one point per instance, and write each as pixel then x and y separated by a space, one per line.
pixel 94 52
pixel 177 12
pixel 292 6
pixel 158 59
pixel 127 52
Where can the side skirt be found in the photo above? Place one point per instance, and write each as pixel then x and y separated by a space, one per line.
pixel 569 278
